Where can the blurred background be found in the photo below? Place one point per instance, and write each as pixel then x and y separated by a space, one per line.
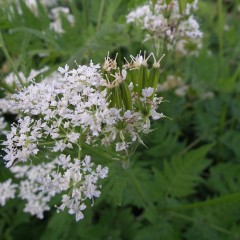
pixel 185 184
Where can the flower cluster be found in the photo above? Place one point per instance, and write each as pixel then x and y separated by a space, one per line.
pixel 76 180
pixel 12 80
pixel 85 104
pixel 54 11
pixel 174 82
pixel 91 105
pixel 168 21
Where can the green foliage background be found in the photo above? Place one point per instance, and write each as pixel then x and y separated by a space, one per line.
pixel 186 184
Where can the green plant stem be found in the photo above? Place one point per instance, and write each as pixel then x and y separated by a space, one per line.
pixel 6 217
pixel 6 86
pixel 223 118
pixel 220 33
pixel 158 47
pixel 215 227
pixel 139 190
pixel 85 10
pixel 3 47
pixel 100 14
pixel 190 146
pixel 79 149
pixel 231 198
pixel 45 143
pixel 99 152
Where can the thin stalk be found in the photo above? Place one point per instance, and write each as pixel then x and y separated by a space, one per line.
pixel 220 32
pixel 3 47
pixel 158 46
pixel 6 87
pixel 100 14
pixel 45 143
pixel 215 227
pixel 139 190
pixel 98 151
pixel 154 45
pixel 231 198
pixel 223 118
pixel 85 10
pixel 190 146
pixel 79 149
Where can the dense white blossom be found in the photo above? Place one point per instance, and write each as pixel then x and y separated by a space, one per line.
pixel 166 21
pixel 79 105
pixel 76 180
pixel 11 79
pixel 108 106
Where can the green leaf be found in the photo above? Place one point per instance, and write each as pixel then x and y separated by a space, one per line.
pixel 231 139
pixel 116 184
pixel 58 226
pixel 225 178
pixel 179 176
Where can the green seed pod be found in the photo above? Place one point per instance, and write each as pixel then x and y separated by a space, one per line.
pixel 142 74
pixel 126 96
pixel 134 73
pixel 129 77
pixel 145 75
pixel 153 79
pixel 117 97
pixel 110 98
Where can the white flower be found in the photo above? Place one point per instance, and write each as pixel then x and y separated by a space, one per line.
pixel 73 137
pixel 3 124
pixel 63 70
pixel 56 13
pixel 39 183
pixel 121 146
pixel 147 92
pixel 7 190
pixel 64 161
pixel 155 115
pixel 127 114
pixel 77 209
pixel 102 172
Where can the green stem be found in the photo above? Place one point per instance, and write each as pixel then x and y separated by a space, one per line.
pixel 139 190
pixel 220 32
pixel 79 149
pixel 45 143
pixel 100 14
pixel 191 145
pixel 154 45
pixel 223 118
pixel 3 47
pixel 98 151
pixel 85 10
pixel 219 201
pixel 215 227
pixel 6 86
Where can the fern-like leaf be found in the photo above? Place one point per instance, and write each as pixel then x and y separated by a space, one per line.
pixel 179 176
